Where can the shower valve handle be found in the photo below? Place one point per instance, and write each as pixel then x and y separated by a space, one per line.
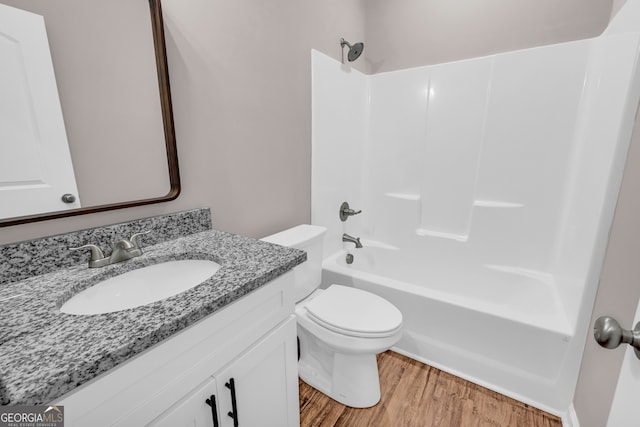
pixel 609 334
pixel 346 212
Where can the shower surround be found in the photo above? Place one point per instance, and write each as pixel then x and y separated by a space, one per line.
pixel 488 188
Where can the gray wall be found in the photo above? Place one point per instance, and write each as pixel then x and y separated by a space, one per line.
pixel 241 83
pixel 616 5
pixel 409 33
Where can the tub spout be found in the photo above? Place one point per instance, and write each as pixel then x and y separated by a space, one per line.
pixel 355 240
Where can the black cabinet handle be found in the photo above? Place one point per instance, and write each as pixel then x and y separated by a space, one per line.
pixel 231 385
pixel 214 411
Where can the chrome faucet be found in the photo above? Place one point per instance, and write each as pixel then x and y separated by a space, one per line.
pixel 355 240
pixel 346 211
pixel 122 250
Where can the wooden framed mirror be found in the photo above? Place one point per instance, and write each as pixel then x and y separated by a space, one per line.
pixel 112 22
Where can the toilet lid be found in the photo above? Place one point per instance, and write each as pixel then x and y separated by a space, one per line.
pixel 354 312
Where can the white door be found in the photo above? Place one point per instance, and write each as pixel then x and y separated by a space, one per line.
pixel 35 163
pixel 624 409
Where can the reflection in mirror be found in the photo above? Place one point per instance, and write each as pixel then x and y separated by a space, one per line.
pixel 36 174
pixel 110 67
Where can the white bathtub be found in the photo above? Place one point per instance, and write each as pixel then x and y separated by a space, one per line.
pixel 497 326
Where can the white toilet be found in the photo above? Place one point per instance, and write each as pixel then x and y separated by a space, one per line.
pixel 340 329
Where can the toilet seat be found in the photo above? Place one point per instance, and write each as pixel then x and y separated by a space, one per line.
pixel 354 312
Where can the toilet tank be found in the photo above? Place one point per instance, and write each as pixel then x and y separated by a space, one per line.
pixel 309 238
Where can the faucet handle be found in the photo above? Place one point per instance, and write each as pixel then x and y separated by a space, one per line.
pixel 133 238
pixel 96 252
pixel 346 212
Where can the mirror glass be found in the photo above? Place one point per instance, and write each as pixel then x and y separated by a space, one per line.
pixel 110 68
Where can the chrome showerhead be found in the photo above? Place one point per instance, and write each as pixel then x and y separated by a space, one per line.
pixel 355 50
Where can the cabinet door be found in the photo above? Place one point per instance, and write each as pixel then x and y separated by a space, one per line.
pixel 194 410
pixel 265 383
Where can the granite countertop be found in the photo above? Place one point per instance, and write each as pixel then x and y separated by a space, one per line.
pixel 45 353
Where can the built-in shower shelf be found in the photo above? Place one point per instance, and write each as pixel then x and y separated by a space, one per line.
pixel 423 232
pixel 496 204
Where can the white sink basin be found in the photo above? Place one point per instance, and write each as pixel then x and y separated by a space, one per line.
pixel 140 287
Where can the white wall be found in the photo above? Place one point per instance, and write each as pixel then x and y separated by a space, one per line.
pixel 474 158
pixel 451 155
pixel 340 109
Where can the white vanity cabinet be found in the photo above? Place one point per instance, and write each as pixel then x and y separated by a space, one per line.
pixel 193 411
pixel 256 382
pixel 245 351
pixel 261 394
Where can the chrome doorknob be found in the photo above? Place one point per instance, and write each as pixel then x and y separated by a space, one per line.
pixel 609 334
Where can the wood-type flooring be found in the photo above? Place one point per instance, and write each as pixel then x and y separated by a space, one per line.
pixel 418 395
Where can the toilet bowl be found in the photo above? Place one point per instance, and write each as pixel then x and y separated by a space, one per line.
pixel 340 329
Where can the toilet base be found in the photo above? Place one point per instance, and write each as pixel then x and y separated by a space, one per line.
pixel 354 382
pixel 351 379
